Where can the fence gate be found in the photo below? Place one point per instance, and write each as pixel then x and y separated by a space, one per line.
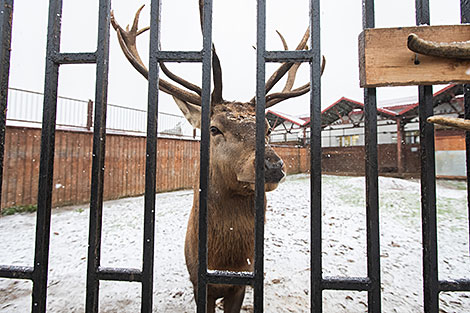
pixel 95 273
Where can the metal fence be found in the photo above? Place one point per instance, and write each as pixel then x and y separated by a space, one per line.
pixel 25 109
pixel 370 284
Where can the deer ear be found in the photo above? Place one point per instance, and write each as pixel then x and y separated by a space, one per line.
pixel 190 111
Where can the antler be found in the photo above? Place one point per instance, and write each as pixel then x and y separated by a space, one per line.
pixel 458 123
pixel 127 41
pixel 216 67
pixel 458 50
pixel 290 68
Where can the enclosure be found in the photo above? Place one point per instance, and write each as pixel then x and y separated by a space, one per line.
pixel 326 243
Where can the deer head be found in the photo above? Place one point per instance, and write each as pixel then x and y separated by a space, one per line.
pixel 232 124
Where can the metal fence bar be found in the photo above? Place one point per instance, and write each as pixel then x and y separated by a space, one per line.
pixel 204 156
pixel 428 184
pixel 372 188
pixel 465 18
pixel 75 58
pixel 151 161
pixel 179 56
pixel 315 163
pixel 6 18
pixel 454 285
pixel 41 258
pixel 16 272
pixel 259 157
pixel 99 139
pixel 119 274
pixel 350 283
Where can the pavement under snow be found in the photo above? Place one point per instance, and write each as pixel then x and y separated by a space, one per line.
pixel 286 252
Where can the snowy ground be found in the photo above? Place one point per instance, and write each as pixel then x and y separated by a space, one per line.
pixel 286 252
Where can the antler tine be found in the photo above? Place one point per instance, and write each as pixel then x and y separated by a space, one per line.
pixel 293 70
pixel 216 67
pixel 217 74
pixel 275 98
pixel 127 41
pixel 180 80
pixel 285 67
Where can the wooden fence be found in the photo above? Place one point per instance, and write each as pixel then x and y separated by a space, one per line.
pixel 177 161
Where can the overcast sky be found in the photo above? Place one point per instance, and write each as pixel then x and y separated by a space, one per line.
pixel 234 35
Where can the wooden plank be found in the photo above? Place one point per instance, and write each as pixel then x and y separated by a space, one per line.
pixel 22 177
pixel 28 168
pixel 385 60
pixel 9 173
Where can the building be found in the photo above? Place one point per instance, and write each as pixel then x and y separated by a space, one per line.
pixel 397 132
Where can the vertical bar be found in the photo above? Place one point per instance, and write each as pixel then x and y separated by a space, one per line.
pixel 428 183
pixel 259 157
pixel 315 161
pixel 465 18
pixel 372 182
pixel 89 116
pixel 46 166
pixel 97 170
pixel 6 18
pixel 204 165
pixel 151 161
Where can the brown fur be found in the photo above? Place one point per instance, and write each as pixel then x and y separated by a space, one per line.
pixel 230 202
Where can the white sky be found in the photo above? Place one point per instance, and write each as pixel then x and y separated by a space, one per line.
pixel 234 35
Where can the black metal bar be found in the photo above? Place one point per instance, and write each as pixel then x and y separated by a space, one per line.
pixel 99 140
pixel 258 287
pixel 286 56
pixel 346 283
pixel 315 162
pixel 428 201
pixel 465 18
pixel 204 164
pixel 6 19
pixel 151 161
pixel 16 272
pixel 119 274
pixel 75 58
pixel 372 181
pixel 46 167
pixel 455 285
pixel 230 278
pixel 179 56
pixel 466 89
pixel 428 183
pixel 372 200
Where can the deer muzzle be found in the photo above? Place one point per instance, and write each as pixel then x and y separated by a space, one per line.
pixel 274 169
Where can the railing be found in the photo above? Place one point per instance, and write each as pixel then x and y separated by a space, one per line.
pixel 25 109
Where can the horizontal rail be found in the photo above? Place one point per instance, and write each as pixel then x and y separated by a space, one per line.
pixel 75 58
pixel 454 285
pixel 16 272
pixel 346 283
pixel 289 56
pixel 119 274
pixel 230 278
pixel 179 56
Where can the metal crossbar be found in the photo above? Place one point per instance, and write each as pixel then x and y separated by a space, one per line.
pixel 96 273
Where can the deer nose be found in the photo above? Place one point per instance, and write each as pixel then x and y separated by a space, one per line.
pixel 273 164
pixel 273 169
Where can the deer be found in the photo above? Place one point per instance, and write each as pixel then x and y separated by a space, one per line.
pixel 231 211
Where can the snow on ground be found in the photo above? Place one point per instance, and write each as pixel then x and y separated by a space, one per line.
pixel 286 252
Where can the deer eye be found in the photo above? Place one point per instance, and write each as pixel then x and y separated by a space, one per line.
pixel 269 132
pixel 215 131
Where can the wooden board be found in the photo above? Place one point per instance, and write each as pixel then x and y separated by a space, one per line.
pixel 385 60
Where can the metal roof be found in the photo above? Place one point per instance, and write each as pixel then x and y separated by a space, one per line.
pixel 344 107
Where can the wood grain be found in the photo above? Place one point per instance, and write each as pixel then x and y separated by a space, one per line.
pixel 385 60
